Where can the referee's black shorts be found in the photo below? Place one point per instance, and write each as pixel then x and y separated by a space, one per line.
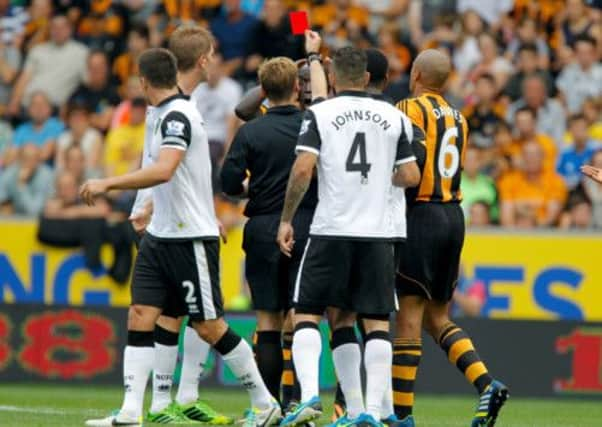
pixel 179 276
pixel 430 258
pixel 270 274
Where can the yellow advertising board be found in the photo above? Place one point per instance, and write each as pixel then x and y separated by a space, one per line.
pixel 528 276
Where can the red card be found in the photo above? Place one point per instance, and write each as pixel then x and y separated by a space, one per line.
pixel 299 22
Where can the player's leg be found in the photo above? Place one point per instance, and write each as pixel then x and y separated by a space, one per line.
pixel 291 392
pixel 198 274
pixel 347 360
pixel 166 356
pixel 268 349
pixel 148 295
pixel 453 340
pixel 316 286
pixel 373 298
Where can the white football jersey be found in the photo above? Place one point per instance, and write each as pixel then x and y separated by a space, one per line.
pixel 359 141
pixel 183 206
pixel 146 193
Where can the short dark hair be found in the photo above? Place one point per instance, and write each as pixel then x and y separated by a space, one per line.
pixel 528 47
pixel 141 30
pixel 377 66
pixel 526 109
pixel 584 38
pixel 159 67
pixel 349 65
pixel 576 117
pixel 487 76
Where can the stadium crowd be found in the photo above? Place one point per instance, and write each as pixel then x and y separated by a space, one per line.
pixel 527 76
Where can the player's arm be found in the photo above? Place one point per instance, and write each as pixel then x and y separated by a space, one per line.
pixel 317 76
pixel 407 173
pixel 308 150
pixel 249 106
pixel 234 170
pixel 176 137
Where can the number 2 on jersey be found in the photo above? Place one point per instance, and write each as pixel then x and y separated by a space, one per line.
pixel 358 147
pixel 448 169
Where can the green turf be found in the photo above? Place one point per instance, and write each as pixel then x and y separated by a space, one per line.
pixel 42 406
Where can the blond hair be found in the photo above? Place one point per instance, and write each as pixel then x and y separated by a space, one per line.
pixel 278 77
pixel 188 43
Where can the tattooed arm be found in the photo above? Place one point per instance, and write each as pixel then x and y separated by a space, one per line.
pixel 298 183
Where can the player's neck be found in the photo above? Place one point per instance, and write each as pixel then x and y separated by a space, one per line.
pixel 188 81
pixel 345 88
pixel 420 90
pixel 157 96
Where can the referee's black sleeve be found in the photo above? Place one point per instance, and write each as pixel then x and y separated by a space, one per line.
pixel 234 170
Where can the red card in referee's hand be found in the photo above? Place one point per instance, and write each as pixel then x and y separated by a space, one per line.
pixel 299 22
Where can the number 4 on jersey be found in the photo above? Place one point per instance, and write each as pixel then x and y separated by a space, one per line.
pixel 358 146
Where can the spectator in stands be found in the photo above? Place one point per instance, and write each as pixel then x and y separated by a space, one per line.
pixel 384 11
pixel 527 35
pixel 233 30
pixel 492 11
pixel 13 19
pixel 469 296
pixel 133 90
pixel 42 129
pixel 479 214
pixel 593 190
pixel 491 62
pixel 397 54
pixel 98 92
pixel 75 164
pixel 272 37
pixel 56 67
pixel 578 212
pixel 533 194
pixel 216 100
pixel 525 132
pixel 550 114
pixel 25 185
pixel 485 113
pixel 422 17
pixel 592 107
pixel 37 30
pixel 125 65
pixel 342 23
pixel 582 79
pixel 10 63
pixel 7 153
pixel 124 144
pixel 526 65
pixel 577 154
pixel 82 135
pixel 467 53
pixel 476 186
pixel 102 27
pixel 576 23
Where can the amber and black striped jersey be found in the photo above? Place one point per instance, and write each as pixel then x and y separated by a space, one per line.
pixel 441 155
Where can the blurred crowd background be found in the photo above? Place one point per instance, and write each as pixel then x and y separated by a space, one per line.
pixel 527 75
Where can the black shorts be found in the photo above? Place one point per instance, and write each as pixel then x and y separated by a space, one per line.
pixel 270 274
pixel 353 275
pixel 179 276
pixel 430 258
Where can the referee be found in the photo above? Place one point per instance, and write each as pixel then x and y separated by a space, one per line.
pixel 264 150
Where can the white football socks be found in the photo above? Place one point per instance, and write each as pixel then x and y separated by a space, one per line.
pixel 347 360
pixel 378 357
pixel 307 346
pixel 196 352
pixel 166 358
pixel 137 366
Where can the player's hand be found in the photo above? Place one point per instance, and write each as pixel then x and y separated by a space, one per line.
pixel 222 231
pixel 285 238
pixel 91 189
pixel 592 172
pixel 140 221
pixel 313 41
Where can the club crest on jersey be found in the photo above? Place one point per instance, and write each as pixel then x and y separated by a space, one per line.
pixel 175 128
pixel 304 127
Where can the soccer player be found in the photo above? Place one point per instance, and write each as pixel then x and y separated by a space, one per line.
pixel 428 270
pixel 265 149
pixel 355 142
pixel 192 46
pixel 179 255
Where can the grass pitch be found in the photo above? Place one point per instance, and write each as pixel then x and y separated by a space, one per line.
pixel 44 406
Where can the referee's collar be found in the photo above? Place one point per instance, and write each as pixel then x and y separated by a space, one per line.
pixel 172 98
pixel 282 109
pixel 357 93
